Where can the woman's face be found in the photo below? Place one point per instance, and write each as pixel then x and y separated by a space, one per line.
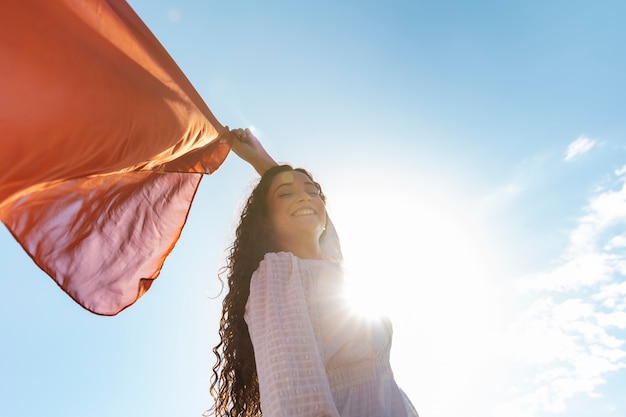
pixel 295 207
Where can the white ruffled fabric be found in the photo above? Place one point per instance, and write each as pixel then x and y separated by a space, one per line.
pixel 314 355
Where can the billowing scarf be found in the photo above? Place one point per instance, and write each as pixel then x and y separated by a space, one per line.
pixel 103 143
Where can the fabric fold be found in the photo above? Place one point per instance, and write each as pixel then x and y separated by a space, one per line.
pixel 104 142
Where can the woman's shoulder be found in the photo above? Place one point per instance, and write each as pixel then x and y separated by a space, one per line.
pixel 277 259
pixel 274 263
pixel 282 265
pixel 288 258
pixel 278 256
pixel 277 270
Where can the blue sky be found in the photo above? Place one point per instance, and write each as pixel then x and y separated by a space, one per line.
pixel 474 157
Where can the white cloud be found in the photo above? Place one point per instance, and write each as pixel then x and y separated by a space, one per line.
pixel 605 210
pixel 612 296
pixel 571 338
pixel 616 242
pixel 584 270
pixel 578 147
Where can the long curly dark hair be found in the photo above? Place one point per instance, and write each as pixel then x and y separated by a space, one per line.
pixel 234 384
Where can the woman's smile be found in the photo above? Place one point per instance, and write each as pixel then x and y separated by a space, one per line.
pixel 304 212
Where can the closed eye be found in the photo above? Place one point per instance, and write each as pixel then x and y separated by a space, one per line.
pixel 312 191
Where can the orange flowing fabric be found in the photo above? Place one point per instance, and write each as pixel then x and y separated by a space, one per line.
pixel 103 143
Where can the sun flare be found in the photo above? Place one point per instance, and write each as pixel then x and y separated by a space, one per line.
pixel 419 258
pixel 364 298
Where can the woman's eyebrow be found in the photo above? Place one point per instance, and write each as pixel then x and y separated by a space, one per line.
pixel 306 183
pixel 285 183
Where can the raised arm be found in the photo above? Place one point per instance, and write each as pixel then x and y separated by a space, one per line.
pixel 248 148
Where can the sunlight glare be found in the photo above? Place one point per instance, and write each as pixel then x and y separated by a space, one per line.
pixel 419 257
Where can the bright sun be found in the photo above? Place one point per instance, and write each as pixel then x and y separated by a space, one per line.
pixel 418 257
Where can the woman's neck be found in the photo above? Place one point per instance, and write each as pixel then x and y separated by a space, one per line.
pixel 302 248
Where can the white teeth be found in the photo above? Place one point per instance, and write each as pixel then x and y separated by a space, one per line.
pixel 303 212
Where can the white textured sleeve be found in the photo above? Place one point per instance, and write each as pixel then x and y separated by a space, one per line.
pixel 292 379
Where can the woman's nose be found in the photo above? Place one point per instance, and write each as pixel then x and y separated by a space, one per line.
pixel 304 196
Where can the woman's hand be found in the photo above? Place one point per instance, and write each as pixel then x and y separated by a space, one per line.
pixel 248 148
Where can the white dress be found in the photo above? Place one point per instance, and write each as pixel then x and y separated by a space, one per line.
pixel 314 356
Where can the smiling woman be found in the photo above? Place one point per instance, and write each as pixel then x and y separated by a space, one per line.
pixel 289 343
